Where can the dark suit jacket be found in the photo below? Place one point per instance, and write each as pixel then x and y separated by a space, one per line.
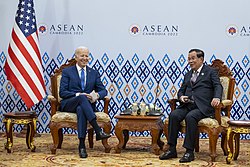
pixel 71 84
pixel 206 87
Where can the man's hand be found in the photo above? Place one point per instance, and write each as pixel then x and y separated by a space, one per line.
pixel 93 96
pixel 88 96
pixel 184 99
pixel 215 102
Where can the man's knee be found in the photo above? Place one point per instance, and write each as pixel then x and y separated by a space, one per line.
pixel 81 99
pixel 193 116
pixel 174 115
pixel 189 118
pixel 79 110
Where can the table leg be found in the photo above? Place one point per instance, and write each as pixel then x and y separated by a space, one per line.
pixel 159 142
pixel 30 135
pixel 119 135
pixel 230 137
pixel 126 138
pixel 9 134
pixel 155 136
pixel 237 145
pixel 8 145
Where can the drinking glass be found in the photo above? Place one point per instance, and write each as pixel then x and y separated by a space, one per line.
pixel 143 108
pixel 134 108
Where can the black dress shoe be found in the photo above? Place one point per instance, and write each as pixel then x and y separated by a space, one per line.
pixel 187 157
pixel 83 153
pixel 102 135
pixel 167 155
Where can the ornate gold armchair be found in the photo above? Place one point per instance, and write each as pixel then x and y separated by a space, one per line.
pixel 213 127
pixel 61 120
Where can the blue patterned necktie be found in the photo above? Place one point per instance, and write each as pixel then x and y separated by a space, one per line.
pixel 82 78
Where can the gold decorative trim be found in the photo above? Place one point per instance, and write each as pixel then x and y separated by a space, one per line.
pixel 241 130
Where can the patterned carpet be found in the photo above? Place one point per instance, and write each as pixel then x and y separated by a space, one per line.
pixel 137 154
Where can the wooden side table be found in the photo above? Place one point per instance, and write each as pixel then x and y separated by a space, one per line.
pixel 233 136
pixel 128 123
pixel 25 118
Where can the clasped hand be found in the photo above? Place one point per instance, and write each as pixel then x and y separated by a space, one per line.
pixel 93 96
pixel 185 99
pixel 215 101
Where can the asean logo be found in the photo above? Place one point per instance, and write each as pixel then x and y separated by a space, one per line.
pixel 232 31
pixel 134 30
pixel 42 29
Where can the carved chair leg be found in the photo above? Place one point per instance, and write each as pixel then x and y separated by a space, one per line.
pixel 106 129
pixel 90 137
pixel 55 137
pixel 213 137
pixel 60 135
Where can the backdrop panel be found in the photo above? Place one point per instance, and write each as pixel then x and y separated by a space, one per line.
pixel 136 43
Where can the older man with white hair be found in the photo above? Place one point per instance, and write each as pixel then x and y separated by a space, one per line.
pixel 80 87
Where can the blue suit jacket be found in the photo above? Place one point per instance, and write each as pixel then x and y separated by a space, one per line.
pixel 206 87
pixel 71 84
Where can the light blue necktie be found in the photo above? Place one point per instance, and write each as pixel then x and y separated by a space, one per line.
pixel 82 79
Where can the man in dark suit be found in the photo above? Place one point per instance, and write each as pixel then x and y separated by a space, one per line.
pixel 201 90
pixel 80 87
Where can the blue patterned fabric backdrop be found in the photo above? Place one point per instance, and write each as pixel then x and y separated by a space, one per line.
pixel 135 45
pixel 136 80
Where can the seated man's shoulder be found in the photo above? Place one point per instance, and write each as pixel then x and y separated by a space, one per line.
pixel 92 70
pixel 68 68
pixel 212 69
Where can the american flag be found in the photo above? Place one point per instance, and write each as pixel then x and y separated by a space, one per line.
pixel 23 66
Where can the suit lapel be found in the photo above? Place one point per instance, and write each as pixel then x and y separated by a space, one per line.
pixel 88 76
pixel 78 77
pixel 189 75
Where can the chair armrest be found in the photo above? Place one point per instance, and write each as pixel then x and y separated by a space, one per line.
pixel 173 103
pixel 50 97
pixel 217 113
pixel 227 102
pixel 223 104
pixel 54 104
pixel 106 104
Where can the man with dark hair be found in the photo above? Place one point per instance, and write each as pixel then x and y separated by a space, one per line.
pixel 201 90
pixel 80 87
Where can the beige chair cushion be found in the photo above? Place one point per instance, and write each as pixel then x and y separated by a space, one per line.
pixel 209 122
pixel 72 117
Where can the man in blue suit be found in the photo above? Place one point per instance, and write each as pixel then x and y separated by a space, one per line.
pixel 80 87
pixel 201 90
